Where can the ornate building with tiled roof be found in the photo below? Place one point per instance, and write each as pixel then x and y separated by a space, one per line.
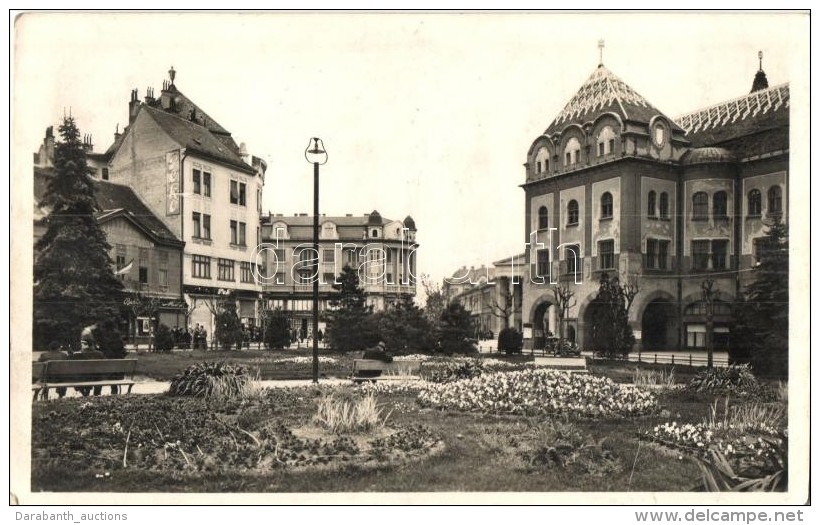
pixel 381 249
pixel 614 185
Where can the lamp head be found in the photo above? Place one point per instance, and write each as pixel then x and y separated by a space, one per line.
pixel 315 152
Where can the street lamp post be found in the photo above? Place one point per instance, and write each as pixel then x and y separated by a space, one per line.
pixel 709 295
pixel 315 154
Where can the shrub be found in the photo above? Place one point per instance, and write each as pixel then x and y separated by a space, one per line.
pixel 560 444
pixel 349 415
pixel 719 475
pixel 659 378
pixel 163 339
pixel 454 330
pixel 510 341
pixel 735 379
pixel 228 329
pixel 458 370
pixel 277 330
pixel 210 380
pixel 109 341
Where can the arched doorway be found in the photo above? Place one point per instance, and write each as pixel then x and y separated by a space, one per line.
pixel 659 326
pixel 542 324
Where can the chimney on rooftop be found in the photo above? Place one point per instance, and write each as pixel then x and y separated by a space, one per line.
pixel 133 106
pixel 117 133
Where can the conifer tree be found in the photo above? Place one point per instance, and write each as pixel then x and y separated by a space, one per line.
pixel 74 284
pixel 760 332
pixel 454 330
pixel 352 325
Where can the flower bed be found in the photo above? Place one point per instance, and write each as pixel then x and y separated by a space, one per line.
pixel 697 438
pixel 540 392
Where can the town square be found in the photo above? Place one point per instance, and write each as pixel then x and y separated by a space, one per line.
pixel 414 253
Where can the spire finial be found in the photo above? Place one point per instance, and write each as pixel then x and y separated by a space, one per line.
pixel 601 52
pixel 760 58
pixel 172 74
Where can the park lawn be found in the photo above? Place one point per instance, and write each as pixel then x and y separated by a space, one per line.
pixel 164 366
pixel 481 453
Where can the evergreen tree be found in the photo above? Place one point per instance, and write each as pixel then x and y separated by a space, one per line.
pixel 454 330
pixel 352 325
pixel 228 329
pixel 74 284
pixel 404 328
pixel 760 332
pixel 277 330
pixel 611 334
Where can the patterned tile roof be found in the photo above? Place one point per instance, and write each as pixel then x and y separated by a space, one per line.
pixel 742 124
pixel 603 92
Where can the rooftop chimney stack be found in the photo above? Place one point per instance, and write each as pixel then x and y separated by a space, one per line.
pixel 133 106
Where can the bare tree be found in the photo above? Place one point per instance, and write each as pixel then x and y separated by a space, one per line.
pixel 564 300
pixel 629 291
pixel 435 301
pixel 505 308
pixel 143 305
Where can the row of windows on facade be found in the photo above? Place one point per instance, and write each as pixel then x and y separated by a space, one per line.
pixel 202 229
pixel 709 254
pixel 143 266
pixel 305 276
pixel 607 210
pixel 201 268
pixel 700 206
pixel 238 193
pixel 350 256
pixel 572 151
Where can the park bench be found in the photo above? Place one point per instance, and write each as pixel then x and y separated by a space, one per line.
pixel 37 373
pixel 83 374
pixel 393 371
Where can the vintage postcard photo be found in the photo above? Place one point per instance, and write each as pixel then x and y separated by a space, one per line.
pixel 417 257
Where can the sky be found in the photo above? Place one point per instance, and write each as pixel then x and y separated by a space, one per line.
pixel 422 114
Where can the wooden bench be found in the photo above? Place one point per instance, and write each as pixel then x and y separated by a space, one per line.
pixel 37 375
pixel 394 371
pixel 88 373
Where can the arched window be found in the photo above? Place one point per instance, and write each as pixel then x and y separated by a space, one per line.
pixel 606 205
pixel 606 141
pixel 572 152
pixel 719 206
pixel 664 205
pixel 775 201
pixel 543 218
pixel 754 204
pixel 700 206
pixel 572 213
pixel 542 161
pixel 650 204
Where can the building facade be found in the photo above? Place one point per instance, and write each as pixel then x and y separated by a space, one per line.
pixel 147 256
pixel 615 186
pixel 381 249
pixel 491 294
pixel 205 189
